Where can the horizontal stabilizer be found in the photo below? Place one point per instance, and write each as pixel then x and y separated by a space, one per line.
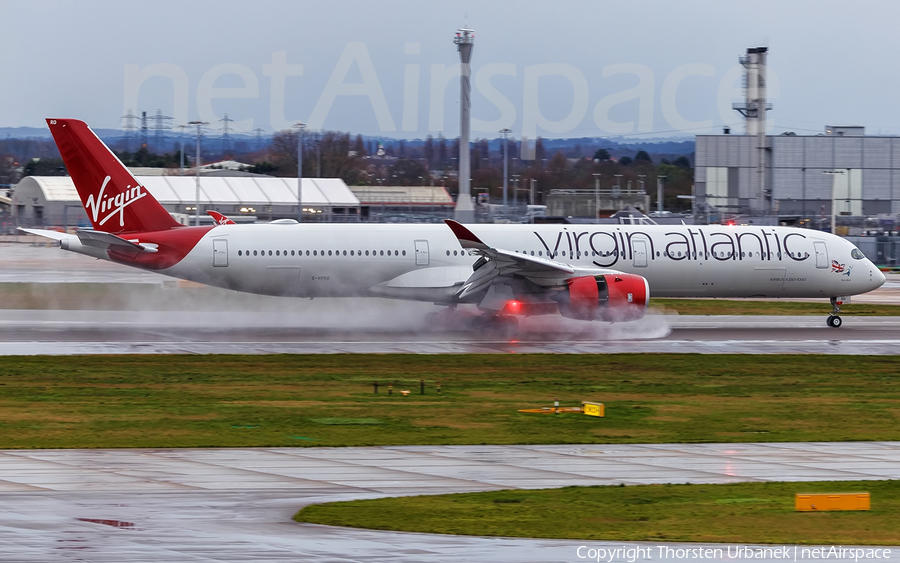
pixel 100 239
pixel 55 235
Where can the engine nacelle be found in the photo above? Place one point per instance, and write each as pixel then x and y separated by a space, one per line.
pixel 609 297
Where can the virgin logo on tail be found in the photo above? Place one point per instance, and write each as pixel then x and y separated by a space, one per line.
pixel 116 203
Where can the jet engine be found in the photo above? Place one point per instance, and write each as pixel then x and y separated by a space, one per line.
pixel 608 297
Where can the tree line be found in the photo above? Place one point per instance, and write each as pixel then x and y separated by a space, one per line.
pixel 434 161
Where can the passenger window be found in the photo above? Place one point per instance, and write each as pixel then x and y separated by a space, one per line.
pixel 382 253
pixel 254 253
pixel 367 252
pixel 404 253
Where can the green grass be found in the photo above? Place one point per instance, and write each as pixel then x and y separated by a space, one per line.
pixel 734 513
pixel 769 307
pixel 328 400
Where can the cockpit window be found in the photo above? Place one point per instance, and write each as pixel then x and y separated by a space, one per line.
pixel 857 254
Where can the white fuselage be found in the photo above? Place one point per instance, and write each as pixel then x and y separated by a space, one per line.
pixel 312 260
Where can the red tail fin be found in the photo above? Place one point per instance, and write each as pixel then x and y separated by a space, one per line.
pixel 115 202
pixel 219 218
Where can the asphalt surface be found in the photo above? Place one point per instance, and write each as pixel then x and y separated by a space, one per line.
pixel 236 504
pixel 63 332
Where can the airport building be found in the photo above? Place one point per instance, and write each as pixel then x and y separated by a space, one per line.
pixel 404 203
pixel 832 180
pixel 840 172
pixel 44 201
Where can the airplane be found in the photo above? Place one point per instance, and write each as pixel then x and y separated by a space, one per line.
pixel 586 272
pixel 219 218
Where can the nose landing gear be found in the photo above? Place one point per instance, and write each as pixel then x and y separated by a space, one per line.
pixel 834 320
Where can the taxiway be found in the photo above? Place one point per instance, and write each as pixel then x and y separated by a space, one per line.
pixel 236 504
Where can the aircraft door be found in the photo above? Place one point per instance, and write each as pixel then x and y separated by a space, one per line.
pixel 422 258
pixel 639 249
pixel 220 252
pixel 821 254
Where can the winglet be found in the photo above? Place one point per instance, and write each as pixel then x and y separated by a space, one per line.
pixel 467 238
pixel 219 218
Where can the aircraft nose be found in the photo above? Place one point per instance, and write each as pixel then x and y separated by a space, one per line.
pixel 877 277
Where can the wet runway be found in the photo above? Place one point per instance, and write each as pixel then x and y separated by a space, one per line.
pixel 63 332
pixel 236 504
pixel 207 320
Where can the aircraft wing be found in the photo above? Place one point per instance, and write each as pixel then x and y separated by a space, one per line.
pixel 504 263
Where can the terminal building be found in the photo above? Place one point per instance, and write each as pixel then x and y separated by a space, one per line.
pixel 841 172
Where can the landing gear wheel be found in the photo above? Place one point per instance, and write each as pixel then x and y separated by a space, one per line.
pixel 507 326
pixel 504 326
pixel 834 321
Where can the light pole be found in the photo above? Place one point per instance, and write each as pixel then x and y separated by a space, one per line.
pixel 660 183
pixel 515 179
pixel 199 125
pixel 181 171
pixel 597 197
pixel 318 156
pixel 834 173
pixel 299 127
pixel 505 132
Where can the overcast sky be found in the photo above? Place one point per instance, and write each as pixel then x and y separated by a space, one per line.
pixel 559 69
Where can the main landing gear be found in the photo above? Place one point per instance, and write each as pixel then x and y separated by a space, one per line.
pixel 504 326
pixel 834 321
pixel 490 324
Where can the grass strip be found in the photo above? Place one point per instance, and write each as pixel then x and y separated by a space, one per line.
pixel 774 307
pixel 328 400
pixel 733 513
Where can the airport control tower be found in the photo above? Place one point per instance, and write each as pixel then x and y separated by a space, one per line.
pixel 754 108
pixel 465 42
